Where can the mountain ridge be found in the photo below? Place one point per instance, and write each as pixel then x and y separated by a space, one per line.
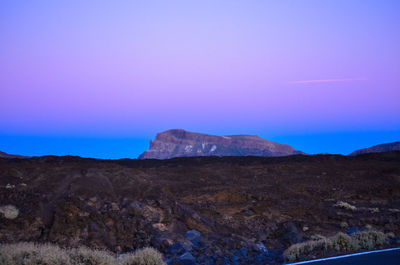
pixel 5 155
pixel 394 146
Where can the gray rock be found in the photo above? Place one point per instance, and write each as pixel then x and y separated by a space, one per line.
pixel 178 248
pixel 261 247
pixel 186 259
pixel 193 235
pixel 291 233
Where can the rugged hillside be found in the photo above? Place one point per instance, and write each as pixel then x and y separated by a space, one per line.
pixel 395 146
pixel 180 143
pixel 240 205
pixel 5 155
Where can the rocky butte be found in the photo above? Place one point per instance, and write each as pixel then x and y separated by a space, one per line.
pixel 181 143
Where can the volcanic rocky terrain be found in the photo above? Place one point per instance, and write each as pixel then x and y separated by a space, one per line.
pixel 181 143
pixel 204 210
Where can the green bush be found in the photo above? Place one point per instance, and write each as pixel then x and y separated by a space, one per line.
pixel 48 254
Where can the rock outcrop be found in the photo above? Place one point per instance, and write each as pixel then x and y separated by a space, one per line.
pixel 181 143
pixel 395 146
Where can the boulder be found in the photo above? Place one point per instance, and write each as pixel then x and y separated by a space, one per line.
pixel 186 259
pixel 178 248
pixel 261 247
pixel 193 236
pixel 353 230
pixel 291 234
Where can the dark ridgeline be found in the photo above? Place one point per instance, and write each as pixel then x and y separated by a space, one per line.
pixel 5 155
pixel 395 146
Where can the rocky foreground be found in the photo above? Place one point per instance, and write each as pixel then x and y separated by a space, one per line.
pixel 204 210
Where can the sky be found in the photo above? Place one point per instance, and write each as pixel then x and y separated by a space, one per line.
pixel 101 78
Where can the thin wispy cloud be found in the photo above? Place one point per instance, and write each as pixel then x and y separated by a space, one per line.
pixel 328 80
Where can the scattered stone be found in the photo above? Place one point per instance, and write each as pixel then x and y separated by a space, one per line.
pixel 373 210
pixel 186 259
pixel 193 235
pixel 9 186
pixel 244 251
pixel 305 228
pixel 291 234
pixel 317 237
pixel 261 247
pixel 353 230
pixel 83 214
pixel 345 205
pixel 179 248
pixel 160 226
pixel 114 206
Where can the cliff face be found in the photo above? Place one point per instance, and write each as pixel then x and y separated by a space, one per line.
pixel 180 143
pixel 395 146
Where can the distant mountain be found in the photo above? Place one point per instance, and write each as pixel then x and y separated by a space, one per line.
pixel 378 148
pixel 180 143
pixel 5 155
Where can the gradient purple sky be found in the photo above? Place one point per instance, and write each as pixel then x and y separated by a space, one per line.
pixel 130 69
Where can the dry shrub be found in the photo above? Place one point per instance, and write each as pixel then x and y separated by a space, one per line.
pixel 145 256
pixel 32 254
pixel 47 254
pixel 9 211
pixel 340 242
pixel 87 256
pixel 296 251
pixel 370 239
pixel 345 205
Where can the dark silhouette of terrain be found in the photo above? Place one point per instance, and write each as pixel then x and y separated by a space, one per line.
pixel 181 143
pixel 5 155
pixel 395 146
pixel 235 203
